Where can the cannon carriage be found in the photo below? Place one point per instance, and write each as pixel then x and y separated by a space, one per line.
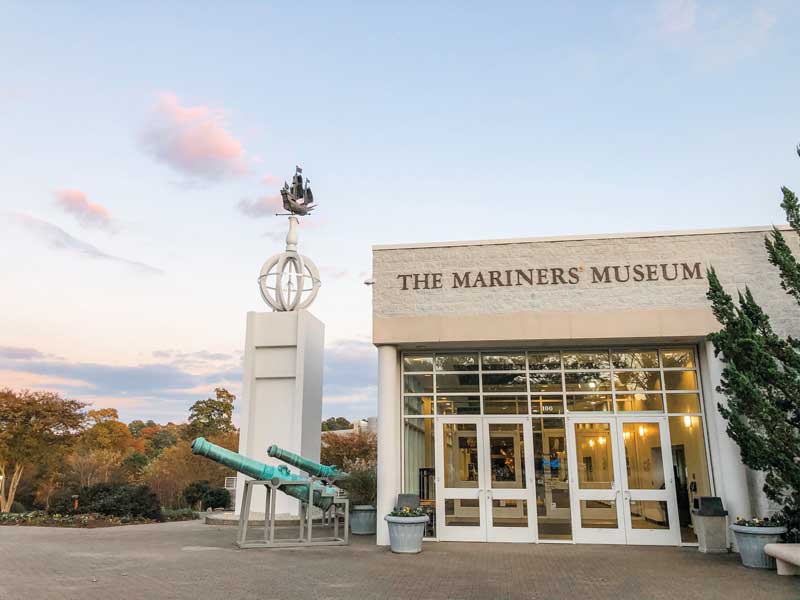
pixel 315 489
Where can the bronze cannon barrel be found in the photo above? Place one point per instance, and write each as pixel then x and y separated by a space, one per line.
pixel 314 469
pixel 323 496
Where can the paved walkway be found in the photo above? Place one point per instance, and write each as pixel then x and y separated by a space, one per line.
pixel 200 562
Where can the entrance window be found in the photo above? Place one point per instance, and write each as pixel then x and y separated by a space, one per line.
pixel 595 458
pixel 643 456
pixel 552 479
pixel 544 385
pixel 691 468
pixel 507 455
pixel 460 455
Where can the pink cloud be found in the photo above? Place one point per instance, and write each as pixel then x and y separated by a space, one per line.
pixel 193 140
pixel 271 179
pixel 265 206
pixel 88 213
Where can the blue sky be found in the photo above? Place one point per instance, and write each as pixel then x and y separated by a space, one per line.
pixel 142 146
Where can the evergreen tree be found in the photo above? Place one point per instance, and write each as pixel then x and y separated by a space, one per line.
pixel 761 377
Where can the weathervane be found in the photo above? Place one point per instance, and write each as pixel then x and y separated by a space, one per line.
pixel 290 281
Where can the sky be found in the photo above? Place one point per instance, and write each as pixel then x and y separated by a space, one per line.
pixel 142 147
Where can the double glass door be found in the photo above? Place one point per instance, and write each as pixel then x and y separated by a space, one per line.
pixel 621 481
pixel 484 479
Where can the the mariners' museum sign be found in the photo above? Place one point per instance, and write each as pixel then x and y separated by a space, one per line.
pixel 604 274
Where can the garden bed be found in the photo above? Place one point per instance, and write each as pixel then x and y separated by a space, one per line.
pixel 40 518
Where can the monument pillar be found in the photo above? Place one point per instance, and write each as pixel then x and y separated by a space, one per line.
pixel 282 393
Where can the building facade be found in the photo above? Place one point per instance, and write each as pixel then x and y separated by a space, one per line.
pixel 561 389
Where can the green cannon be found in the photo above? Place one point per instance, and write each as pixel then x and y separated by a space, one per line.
pixel 323 495
pixel 309 466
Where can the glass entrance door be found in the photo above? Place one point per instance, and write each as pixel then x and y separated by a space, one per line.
pixel 622 481
pixel 648 486
pixel 510 511
pixel 595 485
pixel 460 480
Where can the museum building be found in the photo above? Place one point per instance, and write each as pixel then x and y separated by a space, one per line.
pixel 561 390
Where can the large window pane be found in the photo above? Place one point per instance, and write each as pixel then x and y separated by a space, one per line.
pixel 683 403
pixel 458 405
pixel 639 403
pixel 456 382
pixel 588 382
pixel 546 382
pixel 417 363
pixel 677 357
pixel 589 402
pixel 552 479
pixel 418 405
pixel 505 405
pixel 586 360
pixel 635 359
pixel 546 405
pixel 594 456
pixel 503 361
pixel 544 361
pixel 419 458
pixel 418 384
pixel 643 455
pixel 680 380
pixel 637 381
pixel 691 468
pixel 460 445
pixel 504 382
pixel 457 362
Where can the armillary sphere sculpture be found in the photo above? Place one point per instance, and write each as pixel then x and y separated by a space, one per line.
pixel 290 281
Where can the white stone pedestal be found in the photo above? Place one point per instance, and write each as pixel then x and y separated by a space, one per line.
pixel 281 394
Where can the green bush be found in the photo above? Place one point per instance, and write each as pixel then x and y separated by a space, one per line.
pixel 195 492
pixel 18 507
pixel 361 484
pixel 200 495
pixel 216 498
pixel 134 501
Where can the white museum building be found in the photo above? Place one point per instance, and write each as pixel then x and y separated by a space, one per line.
pixel 561 390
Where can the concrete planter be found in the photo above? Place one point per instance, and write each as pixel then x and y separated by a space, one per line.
pixel 406 533
pixel 751 542
pixel 363 519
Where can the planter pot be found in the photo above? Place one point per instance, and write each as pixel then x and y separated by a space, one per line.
pixel 362 519
pixel 406 533
pixel 751 542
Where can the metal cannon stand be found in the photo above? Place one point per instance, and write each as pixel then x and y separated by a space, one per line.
pixel 339 507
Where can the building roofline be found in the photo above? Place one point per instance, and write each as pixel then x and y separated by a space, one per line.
pixel 577 238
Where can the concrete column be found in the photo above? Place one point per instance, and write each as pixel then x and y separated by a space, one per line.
pixel 389 437
pixel 281 394
pixel 730 475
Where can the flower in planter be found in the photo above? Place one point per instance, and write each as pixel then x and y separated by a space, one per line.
pixel 407 511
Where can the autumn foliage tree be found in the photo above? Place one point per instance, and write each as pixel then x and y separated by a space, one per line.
pixel 35 427
pixel 339 449
pixel 212 416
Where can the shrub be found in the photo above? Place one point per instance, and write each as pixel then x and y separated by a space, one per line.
pixel 18 507
pixel 216 498
pixel 110 499
pixel 361 484
pixel 194 493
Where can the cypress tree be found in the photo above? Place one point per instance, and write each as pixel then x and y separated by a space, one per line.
pixel 761 377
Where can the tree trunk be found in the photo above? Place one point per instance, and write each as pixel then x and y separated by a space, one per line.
pixel 7 500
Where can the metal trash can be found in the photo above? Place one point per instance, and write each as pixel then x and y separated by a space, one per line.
pixel 711 525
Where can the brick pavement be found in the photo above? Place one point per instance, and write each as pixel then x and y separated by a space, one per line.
pixel 195 561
